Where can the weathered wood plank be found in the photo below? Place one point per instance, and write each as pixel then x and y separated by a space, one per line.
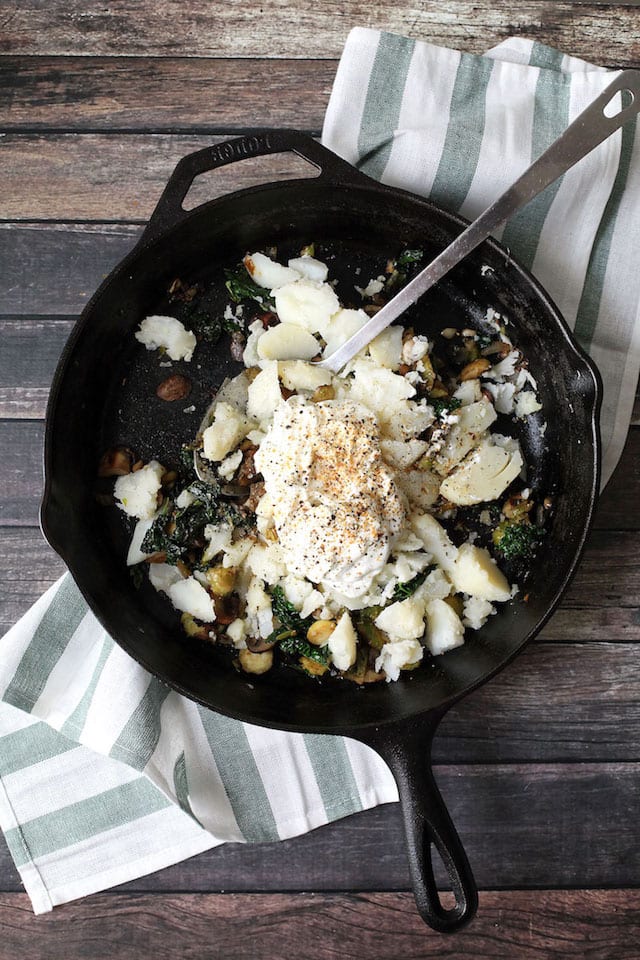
pixel 117 176
pixel 31 348
pixel 169 94
pixel 522 826
pixel 547 925
pixel 53 269
pixel 595 31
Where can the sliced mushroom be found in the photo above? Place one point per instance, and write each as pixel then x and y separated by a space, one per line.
pixel 259 644
pixel 116 462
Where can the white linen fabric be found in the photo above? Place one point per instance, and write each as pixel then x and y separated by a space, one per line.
pixel 105 773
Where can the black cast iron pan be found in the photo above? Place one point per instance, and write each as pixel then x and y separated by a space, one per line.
pixel 104 393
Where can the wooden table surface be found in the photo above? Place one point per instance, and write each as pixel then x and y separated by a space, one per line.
pixel 540 767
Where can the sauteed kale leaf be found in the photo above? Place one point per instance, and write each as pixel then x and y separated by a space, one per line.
pixel 291 635
pixel 517 540
pixel 404 590
pixel 175 529
pixel 242 287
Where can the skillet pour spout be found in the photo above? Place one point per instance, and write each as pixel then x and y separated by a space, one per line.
pixel 94 405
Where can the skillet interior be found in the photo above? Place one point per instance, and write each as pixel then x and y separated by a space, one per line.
pixel 104 392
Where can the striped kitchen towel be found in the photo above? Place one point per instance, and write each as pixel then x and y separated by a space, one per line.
pixel 460 129
pixel 105 774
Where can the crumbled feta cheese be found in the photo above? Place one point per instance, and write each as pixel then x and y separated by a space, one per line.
pixel 414 349
pixel 527 403
pixel 189 596
pixel 230 464
pixel 237 632
pixel 167 332
pixel 396 655
pixel 476 612
pixel 137 493
pixel 373 287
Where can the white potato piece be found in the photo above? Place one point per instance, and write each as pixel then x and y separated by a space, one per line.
pixel 310 268
pixel 163 575
pixel 137 493
pixel 342 643
pixel 307 304
pixel 386 348
pixel 189 596
pixel 379 389
pixel 235 391
pixel 437 586
pixel 471 423
pixel 406 419
pixel 435 540
pixel 420 487
pixel 468 392
pixel 229 427
pixel 476 573
pixel 250 356
pixel 264 392
pixel 476 612
pixel 483 475
pixel 401 454
pixel 341 327
pixel 298 375
pixel 445 630
pixel 268 273
pixel 527 403
pixel 398 654
pixel 403 620
pixel 287 341
pixel 135 554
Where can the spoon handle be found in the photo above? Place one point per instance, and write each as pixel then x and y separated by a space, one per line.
pixel 588 130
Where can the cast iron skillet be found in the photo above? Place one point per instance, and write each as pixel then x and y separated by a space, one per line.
pixel 104 392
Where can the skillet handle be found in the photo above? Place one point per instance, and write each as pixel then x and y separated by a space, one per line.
pixel 169 210
pixel 407 751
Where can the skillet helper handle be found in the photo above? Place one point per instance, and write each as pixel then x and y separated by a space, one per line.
pixel 427 825
pixel 169 210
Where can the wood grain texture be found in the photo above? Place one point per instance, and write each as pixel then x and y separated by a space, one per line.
pixel 116 176
pixel 545 925
pixel 170 94
pixel 522 825
pixel 169 28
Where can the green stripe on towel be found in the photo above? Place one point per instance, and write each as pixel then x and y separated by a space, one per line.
pixel 550 119
pixel 334 775
pixel 589 307
pixel 461 151
pixel 383 103
pixel 139 738
pixel 87 818
pixel 62 619
pixel 240 776
pixel 74 724
pixel 31 745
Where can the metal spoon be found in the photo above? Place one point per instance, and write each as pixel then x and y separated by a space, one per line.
pixel 589 129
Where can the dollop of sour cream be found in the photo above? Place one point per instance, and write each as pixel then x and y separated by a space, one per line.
pixel 336 507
